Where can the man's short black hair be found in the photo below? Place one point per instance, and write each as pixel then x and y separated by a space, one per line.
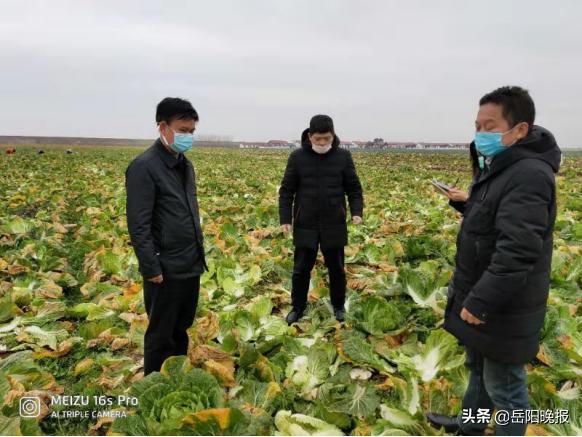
pixel 516 104
pixel 174 108
pixel 321 124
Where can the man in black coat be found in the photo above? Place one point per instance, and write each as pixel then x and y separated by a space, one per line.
pixel 312 202
pixel 164 226
pixel 498 295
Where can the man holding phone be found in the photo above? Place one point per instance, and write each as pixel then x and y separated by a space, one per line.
pixel 498 296
pixel 164 226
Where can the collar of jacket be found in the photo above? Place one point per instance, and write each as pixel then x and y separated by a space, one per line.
pixel 166 155
pixel 306 144
pixel 538 144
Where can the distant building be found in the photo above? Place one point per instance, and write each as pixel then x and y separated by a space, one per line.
pixel 442 146
pixel 271 144
pixel 251 145
pixel 400 145
pixel 348 145
pixel 377 144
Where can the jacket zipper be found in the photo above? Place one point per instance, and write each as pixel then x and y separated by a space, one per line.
pixel 319 189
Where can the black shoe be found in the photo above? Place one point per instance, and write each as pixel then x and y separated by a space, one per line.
pixel 449 423
pixel 294 315
pixel 340 314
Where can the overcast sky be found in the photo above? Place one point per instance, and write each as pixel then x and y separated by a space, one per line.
pixel 258 70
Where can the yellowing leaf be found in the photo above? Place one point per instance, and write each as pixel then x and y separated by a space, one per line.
pixel 132 290
pixel 220 415
pixel 224 372
pixel 83 366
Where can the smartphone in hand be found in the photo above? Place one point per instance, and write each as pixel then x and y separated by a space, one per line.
pixel 441 185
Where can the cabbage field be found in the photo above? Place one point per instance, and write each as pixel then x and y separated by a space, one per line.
pixel 72 317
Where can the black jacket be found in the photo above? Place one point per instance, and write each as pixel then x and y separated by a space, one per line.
pixel 162 214
pixel 504 251
pixel 313 193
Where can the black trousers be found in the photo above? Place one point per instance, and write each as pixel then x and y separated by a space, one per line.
pixel 171 307
pixel 304 260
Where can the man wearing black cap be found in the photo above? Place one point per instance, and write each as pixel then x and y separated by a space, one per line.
pixel 312 198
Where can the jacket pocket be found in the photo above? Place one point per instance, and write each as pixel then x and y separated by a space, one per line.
pixel 163 243
pixel 180 235
pixel 479 220
pixel 337 210
pixel 484 249
pixel 181 260
pixel 515 325
pixel 307 212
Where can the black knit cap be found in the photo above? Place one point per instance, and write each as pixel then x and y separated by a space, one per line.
pixel 321 124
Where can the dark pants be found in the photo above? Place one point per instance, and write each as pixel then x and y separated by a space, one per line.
pixel 171 307
pixel 304 260
pixel 494 385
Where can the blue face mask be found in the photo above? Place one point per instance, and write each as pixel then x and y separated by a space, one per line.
pixel 182 142
pixel 489 144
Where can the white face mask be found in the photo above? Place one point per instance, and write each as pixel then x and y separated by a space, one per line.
pixel 321 149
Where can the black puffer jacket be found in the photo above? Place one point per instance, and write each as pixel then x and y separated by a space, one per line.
pixel 504 251
pixel 313 195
